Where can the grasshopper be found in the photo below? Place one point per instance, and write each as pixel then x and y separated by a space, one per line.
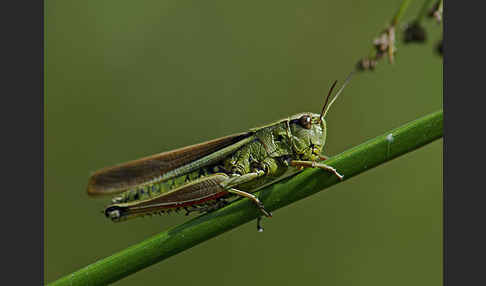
pixel 206 176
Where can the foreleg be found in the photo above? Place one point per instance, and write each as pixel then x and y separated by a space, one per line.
pixel 313 164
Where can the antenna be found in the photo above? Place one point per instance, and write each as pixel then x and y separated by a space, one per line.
pixel 324 112
pixel 327 99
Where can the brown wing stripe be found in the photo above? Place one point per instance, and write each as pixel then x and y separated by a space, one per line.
pixel 121 177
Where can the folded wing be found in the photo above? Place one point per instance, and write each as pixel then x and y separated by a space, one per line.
pixel 121 177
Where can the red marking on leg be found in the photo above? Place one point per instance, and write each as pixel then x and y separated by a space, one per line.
pixel 176 205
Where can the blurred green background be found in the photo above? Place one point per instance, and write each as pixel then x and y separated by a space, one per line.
pixel 126 79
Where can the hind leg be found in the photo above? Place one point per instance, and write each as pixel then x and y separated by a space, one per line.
pixel 258 203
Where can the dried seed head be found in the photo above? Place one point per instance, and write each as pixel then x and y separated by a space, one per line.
pixel 436 12
pixel 439 48
pixel 366 64
pixel 385 44
pixel 415 33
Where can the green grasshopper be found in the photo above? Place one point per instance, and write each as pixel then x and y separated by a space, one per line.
pixel 206 176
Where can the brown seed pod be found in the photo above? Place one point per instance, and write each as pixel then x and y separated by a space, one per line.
pixel 415 33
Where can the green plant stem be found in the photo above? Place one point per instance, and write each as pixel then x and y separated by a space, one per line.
pixel 400 12
pixel 423 11
pixel 168 243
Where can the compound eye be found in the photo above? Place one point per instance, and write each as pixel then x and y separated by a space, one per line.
pixel 305 121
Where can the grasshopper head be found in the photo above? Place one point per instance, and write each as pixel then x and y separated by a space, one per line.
pixel 308 130
pixel 308 135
